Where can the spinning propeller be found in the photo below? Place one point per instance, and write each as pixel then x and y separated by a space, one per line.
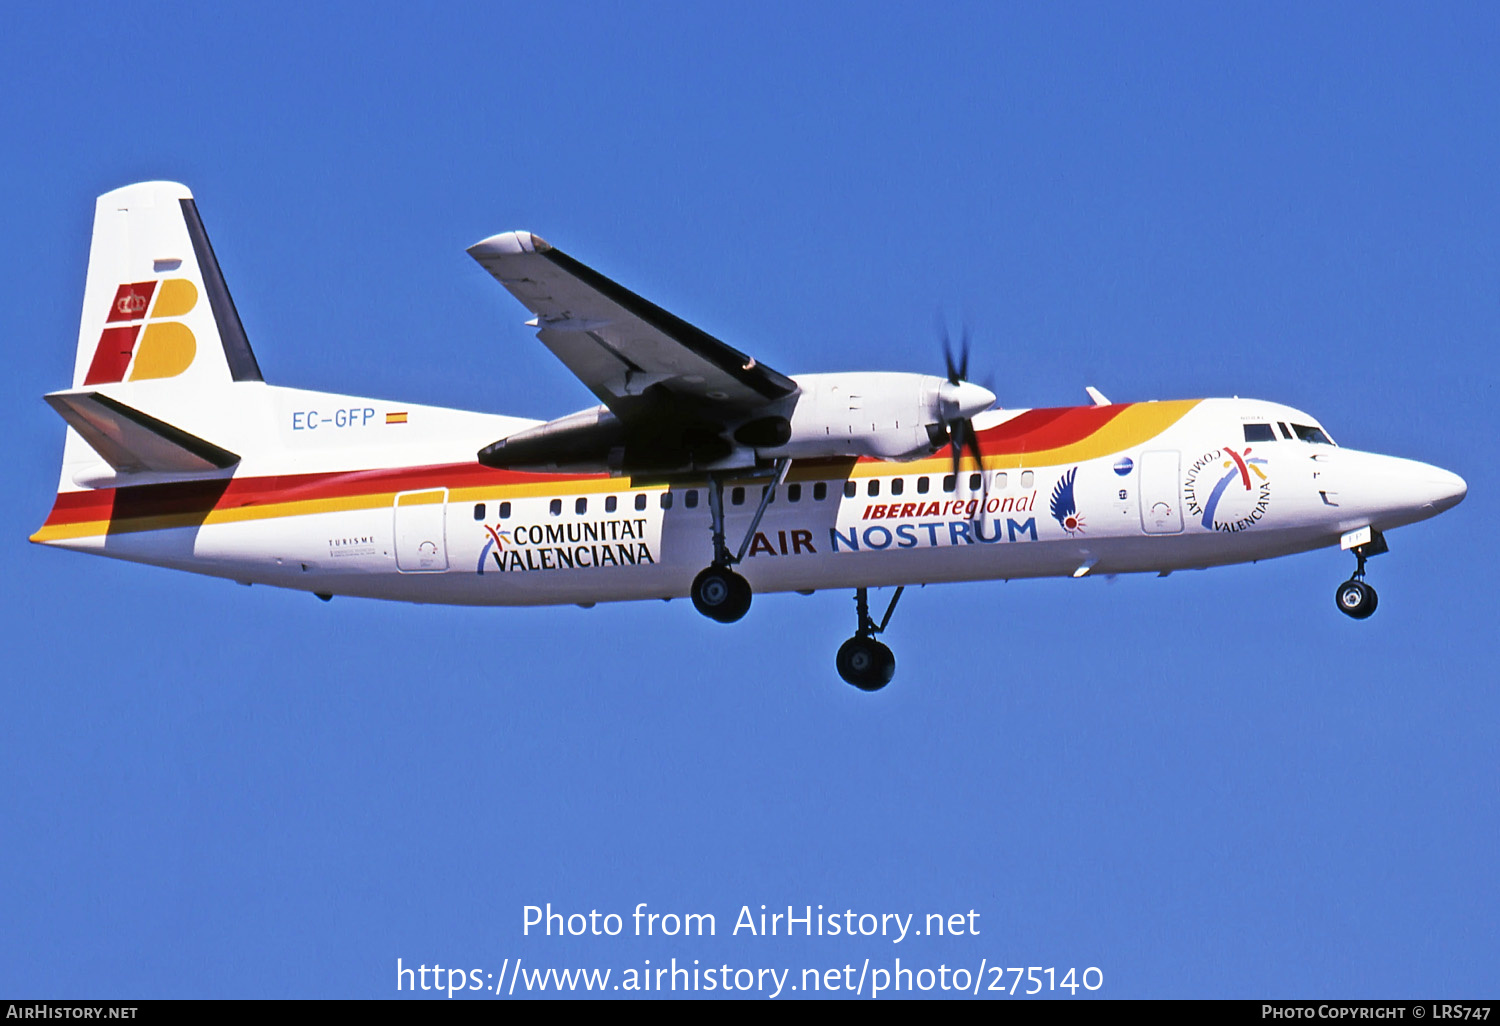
pixel 958 401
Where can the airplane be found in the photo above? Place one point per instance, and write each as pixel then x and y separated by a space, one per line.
pixel 700 472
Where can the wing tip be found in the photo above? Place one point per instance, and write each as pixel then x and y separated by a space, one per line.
pixel 509 244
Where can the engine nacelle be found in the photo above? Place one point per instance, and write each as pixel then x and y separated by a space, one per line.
pixel 588 441
pixel 891 416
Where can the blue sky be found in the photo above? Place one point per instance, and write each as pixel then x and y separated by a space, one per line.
pixel 1209 785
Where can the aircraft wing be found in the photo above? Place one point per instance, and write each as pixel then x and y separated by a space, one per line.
pixel 621 345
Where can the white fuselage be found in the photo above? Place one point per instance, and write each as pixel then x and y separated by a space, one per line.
pixel 384 500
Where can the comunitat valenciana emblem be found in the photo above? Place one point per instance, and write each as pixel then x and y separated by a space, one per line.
pixel 1227 490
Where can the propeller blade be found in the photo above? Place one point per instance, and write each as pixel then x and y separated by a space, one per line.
pixel 957 369
pixel 964 440
pixel 971 443
pixel 970 446
pixel 960 402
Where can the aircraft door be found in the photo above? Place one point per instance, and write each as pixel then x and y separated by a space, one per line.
pixel 1161 492
pixel 421 532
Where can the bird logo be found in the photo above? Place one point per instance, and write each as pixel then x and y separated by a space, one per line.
pixel 1064 507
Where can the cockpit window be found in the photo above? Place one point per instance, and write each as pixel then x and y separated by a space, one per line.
pixel 1311 434
pixel 1260 433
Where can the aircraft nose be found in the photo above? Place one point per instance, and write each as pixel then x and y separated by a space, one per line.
pixel 1393 491
pixel 1443 488
pixel 1420 487
pixel 965 397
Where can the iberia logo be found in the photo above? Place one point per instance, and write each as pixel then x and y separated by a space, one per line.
pixel 1237 499
pixel 145 347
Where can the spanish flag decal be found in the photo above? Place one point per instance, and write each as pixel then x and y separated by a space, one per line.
pixel 396 418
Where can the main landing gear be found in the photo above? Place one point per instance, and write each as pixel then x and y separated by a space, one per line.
pixel 721 594
pixel 1354 597
pixel 862 661
pixel 718 592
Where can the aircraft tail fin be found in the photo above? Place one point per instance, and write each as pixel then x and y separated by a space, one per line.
pixel 155 305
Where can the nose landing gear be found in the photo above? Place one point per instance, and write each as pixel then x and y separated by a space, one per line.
pixel 1354 597
pixel 862 661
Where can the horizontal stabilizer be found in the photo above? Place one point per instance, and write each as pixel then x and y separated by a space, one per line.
pixel 133 442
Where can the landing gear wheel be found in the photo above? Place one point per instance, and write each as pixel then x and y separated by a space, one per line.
pixel 866 663
pixel 1356 598
pixel 721 594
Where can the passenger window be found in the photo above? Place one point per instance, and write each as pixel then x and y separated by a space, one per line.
pixel 610 502
pixel 921 486
pixel 849 489
pixel 640 502
pixel 1001 479
pixel 898 486
pixel 737 496
pixel 873 488
pixel 975 480
pixel 949 482
pixel 1260 433
pixel 504 510
pixel 666 500
pixel 555 507
pixel 1027 478
pixel 479 511
pixel 793 492
pixel 690 500
pixel 820 491
pixel 581 506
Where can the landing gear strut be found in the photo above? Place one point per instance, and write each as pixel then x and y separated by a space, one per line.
pixel 1354 597
pixel 862 661
pixel 718 592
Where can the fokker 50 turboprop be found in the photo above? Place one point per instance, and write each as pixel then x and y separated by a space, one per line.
pixel 703 472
